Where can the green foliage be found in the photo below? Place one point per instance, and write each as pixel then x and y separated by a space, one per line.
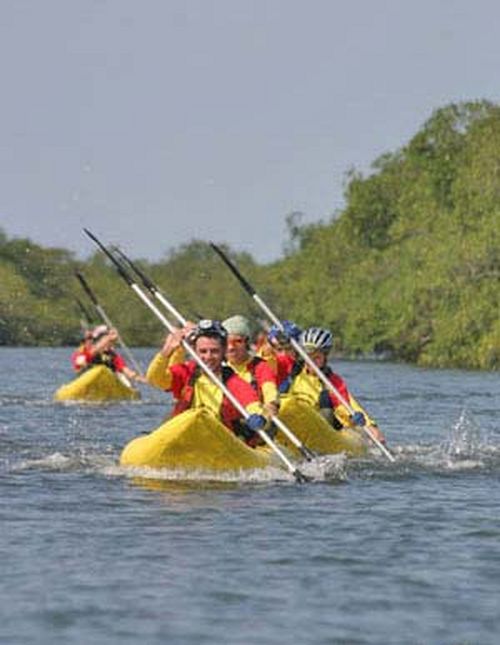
pixel 410 267
pixel 412 264
pixel 39 292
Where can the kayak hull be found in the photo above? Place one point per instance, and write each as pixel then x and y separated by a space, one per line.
pixel 97 384
pixel 315 432
pixel 194 439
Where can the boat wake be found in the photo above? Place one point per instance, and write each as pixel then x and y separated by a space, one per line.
pixel 327 468
pixel 12 400
pixel 464 448
pixel 331 468
pixel 80 461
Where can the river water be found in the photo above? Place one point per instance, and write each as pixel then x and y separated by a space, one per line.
pixel 370 552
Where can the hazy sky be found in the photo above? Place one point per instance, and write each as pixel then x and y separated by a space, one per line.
pixel 153 122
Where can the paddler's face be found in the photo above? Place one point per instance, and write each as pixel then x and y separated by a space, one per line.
pixel 319 358
pixel 237 351
pixel 211 351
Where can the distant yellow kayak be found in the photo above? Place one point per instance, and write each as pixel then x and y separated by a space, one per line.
pixel 194 439
pixel 97 384
pixel 315 432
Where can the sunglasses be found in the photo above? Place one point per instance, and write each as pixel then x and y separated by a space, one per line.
pixel 236 341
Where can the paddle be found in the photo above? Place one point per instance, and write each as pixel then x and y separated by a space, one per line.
pixel 107 321
pixel 124 273
pixel 155 291
pixel 297 347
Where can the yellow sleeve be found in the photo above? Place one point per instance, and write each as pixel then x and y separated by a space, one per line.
pixel 254 408
pixel 269 392
pixel 158 373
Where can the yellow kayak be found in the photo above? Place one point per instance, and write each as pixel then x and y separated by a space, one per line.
pixel 97 384
pixel 315 432
pixel 194 439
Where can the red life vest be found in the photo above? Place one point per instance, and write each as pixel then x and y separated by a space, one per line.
pixel 81 359
pixel 261 373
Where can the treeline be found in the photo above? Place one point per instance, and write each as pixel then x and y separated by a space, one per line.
pixel 410 268
pixel 43 303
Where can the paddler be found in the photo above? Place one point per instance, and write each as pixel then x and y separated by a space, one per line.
pixel 296 378
pixel 98 348
pixel 251 368
pixel 192 388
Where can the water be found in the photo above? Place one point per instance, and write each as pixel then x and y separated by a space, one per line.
pixel 370 552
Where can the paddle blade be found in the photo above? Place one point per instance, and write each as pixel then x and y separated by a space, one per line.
pixel 244 283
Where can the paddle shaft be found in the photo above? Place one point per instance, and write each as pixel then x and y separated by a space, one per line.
pixel 190 350
pixel 298 348
pixel 153 289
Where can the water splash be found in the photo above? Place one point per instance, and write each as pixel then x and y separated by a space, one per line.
pixel 465 439
pixel 465 447
pixel 327 468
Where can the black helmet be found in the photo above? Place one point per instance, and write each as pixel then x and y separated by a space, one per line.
pixel 209 329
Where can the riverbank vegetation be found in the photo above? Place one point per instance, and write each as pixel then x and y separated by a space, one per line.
pixel 410 267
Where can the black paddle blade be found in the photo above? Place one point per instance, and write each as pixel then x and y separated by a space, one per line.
pixel 147 282
pixel 86 314
pixel 118 265
pixel 307 454
pixel 243 281
pixel 85 286
pixel 300 478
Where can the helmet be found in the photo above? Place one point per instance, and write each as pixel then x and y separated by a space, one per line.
pixel 284 333
pixel 238 325
pixel 316 338
pixel 209 329
pixel 99 332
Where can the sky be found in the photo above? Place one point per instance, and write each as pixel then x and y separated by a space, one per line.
pixel 154 122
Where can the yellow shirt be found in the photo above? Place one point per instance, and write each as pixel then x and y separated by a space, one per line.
pixel 207 394
pixel 307 387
